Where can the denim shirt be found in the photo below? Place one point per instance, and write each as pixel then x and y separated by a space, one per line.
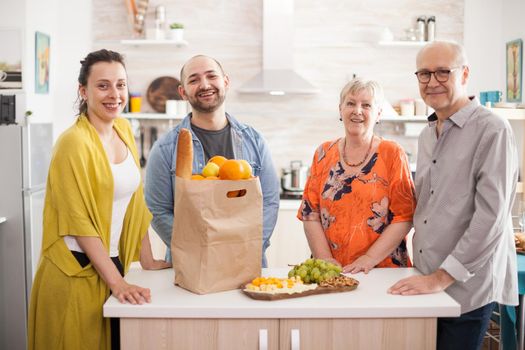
pixel 159 188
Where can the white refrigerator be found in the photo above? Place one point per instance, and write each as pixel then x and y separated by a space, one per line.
pixel 25 153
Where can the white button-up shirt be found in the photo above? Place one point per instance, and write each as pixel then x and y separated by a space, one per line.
pixel 465 187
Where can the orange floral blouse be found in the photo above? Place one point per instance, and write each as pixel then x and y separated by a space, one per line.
pixel 355 207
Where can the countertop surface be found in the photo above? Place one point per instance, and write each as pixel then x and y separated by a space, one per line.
pixel 369 300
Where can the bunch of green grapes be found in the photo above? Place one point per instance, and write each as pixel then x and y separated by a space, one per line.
pixel 315 271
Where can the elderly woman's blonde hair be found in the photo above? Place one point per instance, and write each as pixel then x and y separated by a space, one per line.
pixel 358 84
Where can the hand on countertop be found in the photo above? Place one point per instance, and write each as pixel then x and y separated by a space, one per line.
pixel 131 293
pixel 426 284
pixel 362 264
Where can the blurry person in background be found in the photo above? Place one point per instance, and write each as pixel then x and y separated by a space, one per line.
pixel 359 198
pixel 467 170
pixel 95 218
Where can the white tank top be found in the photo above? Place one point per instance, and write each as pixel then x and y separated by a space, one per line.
pixel 126 179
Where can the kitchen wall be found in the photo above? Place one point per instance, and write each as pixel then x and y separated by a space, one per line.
pixel 68 23
pixel 332 41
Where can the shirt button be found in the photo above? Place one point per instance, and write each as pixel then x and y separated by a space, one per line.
pixel 432 192
pixel 420 250
pixel 425 221
pixel 434 161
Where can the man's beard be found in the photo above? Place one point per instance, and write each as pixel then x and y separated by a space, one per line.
pixel 207 107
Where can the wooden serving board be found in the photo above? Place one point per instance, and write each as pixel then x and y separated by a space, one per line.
pixel 281 296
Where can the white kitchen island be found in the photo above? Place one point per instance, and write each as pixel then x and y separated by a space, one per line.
pixel 366 318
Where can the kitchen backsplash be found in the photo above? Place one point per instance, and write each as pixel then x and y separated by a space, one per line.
pixel 332 41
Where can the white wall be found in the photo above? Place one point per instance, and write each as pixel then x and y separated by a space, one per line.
pixel 68 23
pixel 40 16
pixel 513 28
pixel 482 38
pixel 73 43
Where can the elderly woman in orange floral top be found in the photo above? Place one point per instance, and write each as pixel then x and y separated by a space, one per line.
pixel 359 200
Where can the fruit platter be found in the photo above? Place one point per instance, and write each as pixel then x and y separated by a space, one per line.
pixel 314 276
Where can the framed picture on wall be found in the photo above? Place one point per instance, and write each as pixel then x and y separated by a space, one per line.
pixel 514 72
pixel 41 63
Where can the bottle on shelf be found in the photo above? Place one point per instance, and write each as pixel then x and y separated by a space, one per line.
pixel 431 28
pixel 420 28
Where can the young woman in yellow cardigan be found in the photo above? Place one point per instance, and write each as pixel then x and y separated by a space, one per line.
pixel 95 218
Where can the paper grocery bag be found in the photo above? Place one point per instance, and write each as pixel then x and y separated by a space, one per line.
pixel 216 242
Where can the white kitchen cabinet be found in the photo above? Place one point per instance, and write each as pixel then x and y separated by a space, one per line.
pixel 288 242
pixel 215 334
pixel 364 333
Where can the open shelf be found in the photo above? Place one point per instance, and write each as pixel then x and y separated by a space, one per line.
pixel 152 42
pixel 402 119
pixel 151 116
pixel 510 113
pixel 143 42
pixel 401 43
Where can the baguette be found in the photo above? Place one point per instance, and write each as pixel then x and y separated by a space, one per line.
pixel 183 168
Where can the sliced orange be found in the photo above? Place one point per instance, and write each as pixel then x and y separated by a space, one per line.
pixel 197 177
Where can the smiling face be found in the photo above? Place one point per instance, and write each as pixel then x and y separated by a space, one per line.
pixel 204 84
pixel 106 91
pixel 447 97
pixel 359 112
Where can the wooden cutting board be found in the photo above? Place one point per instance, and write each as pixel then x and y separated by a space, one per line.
pixel 318 290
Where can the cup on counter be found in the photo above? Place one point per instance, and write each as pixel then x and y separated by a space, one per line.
pixel 182 108
pixel 135 102
pixel 407 107
pixel 420 107
pixel 171 108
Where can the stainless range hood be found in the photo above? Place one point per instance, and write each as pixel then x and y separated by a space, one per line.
pixel 278 76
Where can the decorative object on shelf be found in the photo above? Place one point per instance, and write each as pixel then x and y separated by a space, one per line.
pixel 489 98
pixel 41 63
pixel 160 90
pixel 514 70
pixel 177 31
pixel 137 15
pixel 135 102
pixel 160 19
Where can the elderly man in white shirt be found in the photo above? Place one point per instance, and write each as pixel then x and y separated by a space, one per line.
pixel 465 186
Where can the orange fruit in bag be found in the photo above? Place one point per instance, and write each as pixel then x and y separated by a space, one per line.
pixel 232 169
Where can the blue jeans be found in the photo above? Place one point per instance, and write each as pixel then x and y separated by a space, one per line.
pixel 465 332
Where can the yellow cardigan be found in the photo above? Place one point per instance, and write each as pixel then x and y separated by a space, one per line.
pixel 66 300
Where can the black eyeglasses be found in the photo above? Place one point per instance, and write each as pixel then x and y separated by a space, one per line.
pixel 441 75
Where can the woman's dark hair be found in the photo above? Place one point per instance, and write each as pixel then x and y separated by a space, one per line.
pixel 91 59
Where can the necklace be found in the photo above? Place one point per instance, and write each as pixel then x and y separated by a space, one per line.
pixel 365 157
